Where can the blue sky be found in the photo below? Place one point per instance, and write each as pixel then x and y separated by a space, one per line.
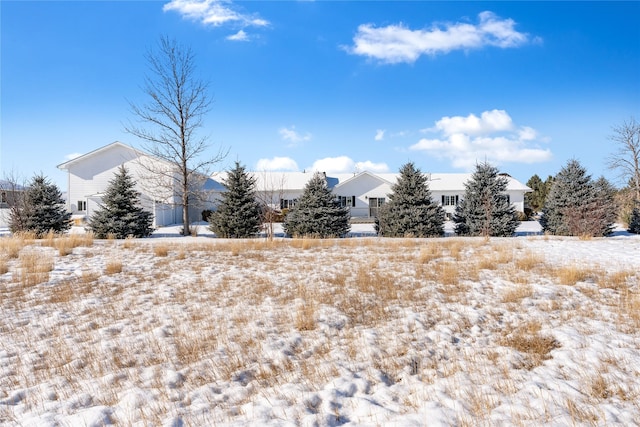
pixel 337 86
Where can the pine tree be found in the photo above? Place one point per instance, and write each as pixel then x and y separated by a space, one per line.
pixel 121 214
pixel 535 199
pixel 410 210
pixel 238 214
pixel 317 212
pixel 485 210
pixel 576 206
pixel 606 200
pixel 634 222
pixel 40 210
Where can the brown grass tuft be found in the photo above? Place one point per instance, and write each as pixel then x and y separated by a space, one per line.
pixel 34 267
pixel 113 266
pixel 517 294
pixel 161 249
pixel 528 340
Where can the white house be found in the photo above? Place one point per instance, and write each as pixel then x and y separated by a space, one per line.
pixel 89 176
pixel 363 193
pixel 9 193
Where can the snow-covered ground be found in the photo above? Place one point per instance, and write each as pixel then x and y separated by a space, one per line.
pixel 176 331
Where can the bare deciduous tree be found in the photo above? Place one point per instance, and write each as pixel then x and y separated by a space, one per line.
pixel 12 201
pixel 168 125
pixel 626 159
pixel 269 193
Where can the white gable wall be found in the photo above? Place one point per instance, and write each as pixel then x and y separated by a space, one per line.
pixel 364 187
pixel 89 176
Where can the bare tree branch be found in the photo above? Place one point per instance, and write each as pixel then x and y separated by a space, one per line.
pixel 626 159
pixel 169 123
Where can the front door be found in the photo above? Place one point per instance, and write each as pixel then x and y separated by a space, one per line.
pixel 374 205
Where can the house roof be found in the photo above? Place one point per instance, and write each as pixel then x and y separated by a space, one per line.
pixel 355 177
pixel 297 180
pixel 98 151
pixel 279 180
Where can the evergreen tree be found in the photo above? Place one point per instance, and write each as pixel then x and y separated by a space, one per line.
pixel 485 210
pixel 410 210
pixel 535 199
pixel 317 212
pixel 238 214
pixel 605 194
pixel 121 214
pixel 41 209
pixel 634 221
pixel 576 206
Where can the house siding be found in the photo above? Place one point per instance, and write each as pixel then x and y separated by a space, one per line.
pixel 90 175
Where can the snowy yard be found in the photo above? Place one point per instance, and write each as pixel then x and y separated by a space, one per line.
pixel 200 331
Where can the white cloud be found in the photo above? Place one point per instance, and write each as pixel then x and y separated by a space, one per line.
pixel 466 141
pixel 240 36
pixel 379 134
pixel 213 12
pixel 396 43
pixel 72 156
pixel 372 167
pixel 277 164
pixel 290 134
pixel 344 164
pixel 488 122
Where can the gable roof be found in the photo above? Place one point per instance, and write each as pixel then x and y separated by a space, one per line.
pixel 292 181
pixel 98 151
pixel 383 178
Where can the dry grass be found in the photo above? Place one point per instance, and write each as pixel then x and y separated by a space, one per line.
pixel 255 314
pixel 528 261
pixel 34 267
pixel 12 245
pixel 305 316
pixel 517 293
pixel 113 266
pixel 161 250
pixel 4 264
pixel 528 340
pixel 571 274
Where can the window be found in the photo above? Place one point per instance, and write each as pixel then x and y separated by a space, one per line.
pixel 450 200
pixel 347 201
pixel 3 197
pixel 82 205
pixel 288 203
pixel 374 205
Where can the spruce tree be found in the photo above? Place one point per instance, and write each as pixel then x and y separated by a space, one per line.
pixel 485 210
pixel 410 210
pixel 535 199
pixel 238 214
pixel 634 221
pixel 120 214
pixel 41 209
pixel 576 206
pixel 317 213
pixel 605 194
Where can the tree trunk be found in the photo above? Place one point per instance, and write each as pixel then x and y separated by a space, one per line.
pixel 186 229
